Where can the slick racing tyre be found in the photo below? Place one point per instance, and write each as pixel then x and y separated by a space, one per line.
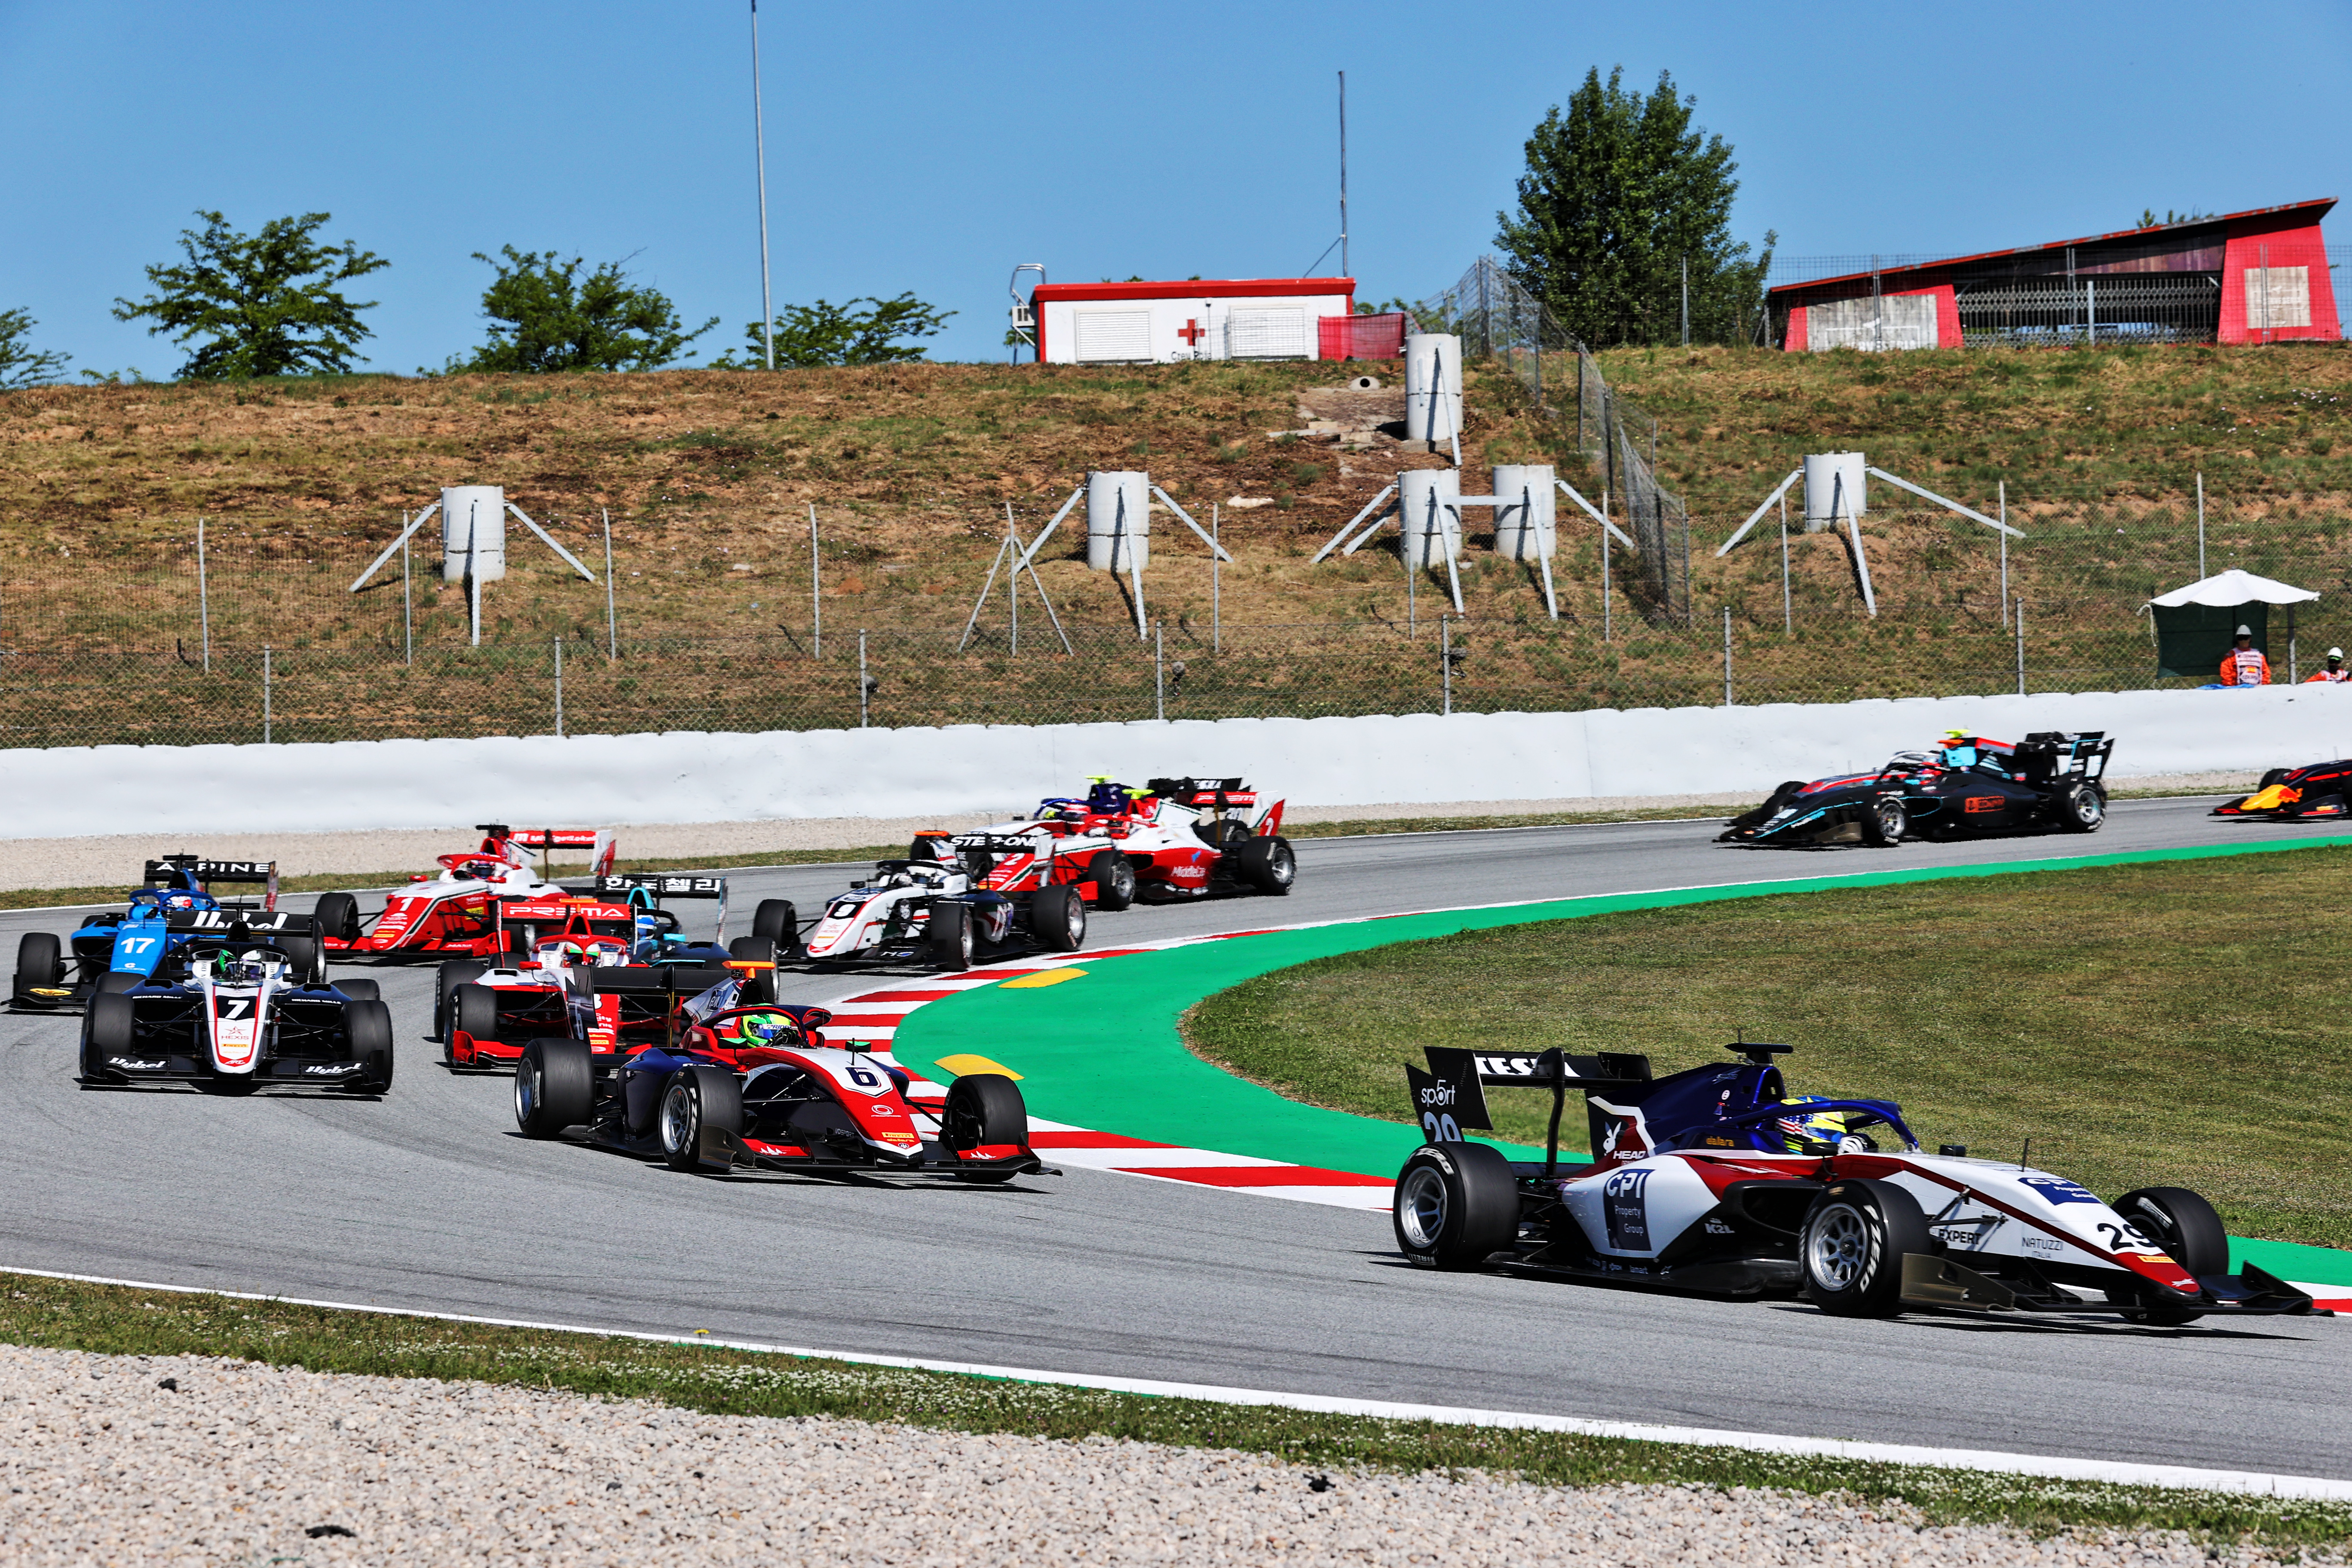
pixel 760 986
pixel 1265 865
pixel 984 1108
pixel 40 966
pixel 1852 1244
pixel 554 1088
pixel 778 924
pixel 360 990
pixel 369 1023
pixel 106 1032
pixel 452 974
pixel 1884 822
pixel 1112 874
pixel 1222 834
pixel 946 939
pixel 2080 808
pixel 698 1098
pixel 309 962
pixel 118 980
pixel 1455 1205
pixel 473 1010
pixel 1057 917
pixel 2185 1225
pixel 338 916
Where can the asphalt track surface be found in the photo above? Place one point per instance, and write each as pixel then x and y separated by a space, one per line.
pixel 428 1199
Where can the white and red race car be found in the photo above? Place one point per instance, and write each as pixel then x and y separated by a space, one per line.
pixel 456 914
pixel 1174 839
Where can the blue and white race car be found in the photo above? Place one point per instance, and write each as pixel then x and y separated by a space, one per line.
pixel 176 905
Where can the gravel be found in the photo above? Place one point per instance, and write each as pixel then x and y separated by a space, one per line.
pixel 192 1460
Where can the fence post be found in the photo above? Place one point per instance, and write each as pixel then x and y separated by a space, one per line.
pixel 2021 645
pixel 2200 525
pixel 816 609
pixel 1726 656
pixel 1216 619
pixel 1159 673
pixel 1446 660
pixel 1604 563
pixel 265 694
pixel 2004 555
pixel 204 598
pixel 1788 615
pixel 559 688
pixel 865 687
pixel 407 602
pixel 612 617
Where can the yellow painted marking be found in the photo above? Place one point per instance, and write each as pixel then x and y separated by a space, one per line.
pixel 1042 977
pixel 960 1066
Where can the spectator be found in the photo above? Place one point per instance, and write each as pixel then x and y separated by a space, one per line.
pixel 2335 674
pixel 2244 665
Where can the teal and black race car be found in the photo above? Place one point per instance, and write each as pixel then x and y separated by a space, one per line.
pixel 121 948
pixel 1966 787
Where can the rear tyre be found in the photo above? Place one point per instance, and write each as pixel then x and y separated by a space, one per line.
pixel 1457 1205
pixel 946 940
pixel 307 958
pixel 1225 832
pixel 1057 917
pixel 474 1011
pixel 1265 865
pixel 2081 808
pixel 760 985
pixel 698 1098
pixel 1853 1244
pixel 454 973
pixel 1885 822
pixel 778 924
pixel 338 916
pixel 2185 1225
pixel 556 1085
pixel 984 1108
pixel 1113 875
pixel 369 1022
pixel 40 963
pixel 360 990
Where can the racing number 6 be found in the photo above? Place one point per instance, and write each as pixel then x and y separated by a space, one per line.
pixel 863 1076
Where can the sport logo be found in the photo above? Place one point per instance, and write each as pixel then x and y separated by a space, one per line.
pixel 1625 1205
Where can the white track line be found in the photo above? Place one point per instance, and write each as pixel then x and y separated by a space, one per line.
pixel 2170 1476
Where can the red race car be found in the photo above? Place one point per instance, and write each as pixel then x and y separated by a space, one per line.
pixel 1174 839
pixel 456 914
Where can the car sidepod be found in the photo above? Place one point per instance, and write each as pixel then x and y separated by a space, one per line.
pixel 1717 1224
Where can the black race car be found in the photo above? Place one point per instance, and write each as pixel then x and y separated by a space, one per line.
pixel 1967 787
pixel 2315 790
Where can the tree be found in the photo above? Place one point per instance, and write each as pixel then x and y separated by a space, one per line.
pixel 19 365
pixel 1618 192
pixel 827 333
pixel 266 303
pixel 549 318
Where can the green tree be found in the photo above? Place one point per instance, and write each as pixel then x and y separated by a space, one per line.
pixel 265 303
pixel 1620 190
pixel 547 317
pixel 20 366
pixel 827 333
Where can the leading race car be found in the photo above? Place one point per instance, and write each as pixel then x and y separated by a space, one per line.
pixel 927 910
pixel 119 948
pixel 1717 1180
pixel 1173 839
pixel 2315 790
pixel 1966 787
pixel 757 1088
pixel 456 914
pixel 242 1014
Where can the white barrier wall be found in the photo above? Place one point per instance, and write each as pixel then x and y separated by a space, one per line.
pixel 782 774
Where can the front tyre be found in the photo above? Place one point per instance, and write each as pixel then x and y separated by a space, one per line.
pixel 2081 808
pixel 40 966
pixel 337 915
pixel 456 972
pixel 1853 1244
pixel 1456 1204
pixel 1885 823
pixel 554 1087
pixel 947 937
pixel 984 1110
pixel 698 1099
pixel 778 924
pixel 1113 875
pixel 2185 1225
pixel 369 1024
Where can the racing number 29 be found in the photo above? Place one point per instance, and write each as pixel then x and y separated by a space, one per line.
pixel 1440 1127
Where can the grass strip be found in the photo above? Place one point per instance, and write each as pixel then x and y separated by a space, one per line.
pixel 110 1320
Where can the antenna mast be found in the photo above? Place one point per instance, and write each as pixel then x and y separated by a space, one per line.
pixel 1343 176
pixel 760 158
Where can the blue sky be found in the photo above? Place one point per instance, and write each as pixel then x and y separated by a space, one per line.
pixel 931 147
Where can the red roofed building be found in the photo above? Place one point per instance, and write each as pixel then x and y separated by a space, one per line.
pixel 2246 277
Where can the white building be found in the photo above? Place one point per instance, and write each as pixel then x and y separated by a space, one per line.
pixel 1244 318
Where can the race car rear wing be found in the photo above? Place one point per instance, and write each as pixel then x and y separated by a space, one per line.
pixel 665 885
pixel 1452 1095
pixel 166 871
pixel 1218 796
pixel 597 841
pixel 2050 753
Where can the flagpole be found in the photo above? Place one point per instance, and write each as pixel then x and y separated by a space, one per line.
pixel 760 153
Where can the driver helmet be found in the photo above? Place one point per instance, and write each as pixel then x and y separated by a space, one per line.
pixel 1803 1132
pixel 768 1029
pixel 179 901
pixel 243 967
pixel 1959 749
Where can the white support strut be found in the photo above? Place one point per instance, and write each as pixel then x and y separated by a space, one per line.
pixel 406 535
pixel 1039 542
pixel 1778 491
pixel 1370 507
pixel 549 539
pixel 1170 502
pixel 1944 501
pixel 1596 515
pixel 1853 528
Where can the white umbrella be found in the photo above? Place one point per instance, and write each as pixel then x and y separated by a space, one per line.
pixel 2233 587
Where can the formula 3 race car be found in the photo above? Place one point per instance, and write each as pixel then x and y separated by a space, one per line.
pixel 927 910
pixel 242 1014
pixel 175 906
pixel 1173 839
pixel 1715 1179
pixel 1967 787
pixel 2315 790
pixel 456 914
pixel 736 1088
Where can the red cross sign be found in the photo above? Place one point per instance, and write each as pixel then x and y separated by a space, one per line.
pixel 1191 332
